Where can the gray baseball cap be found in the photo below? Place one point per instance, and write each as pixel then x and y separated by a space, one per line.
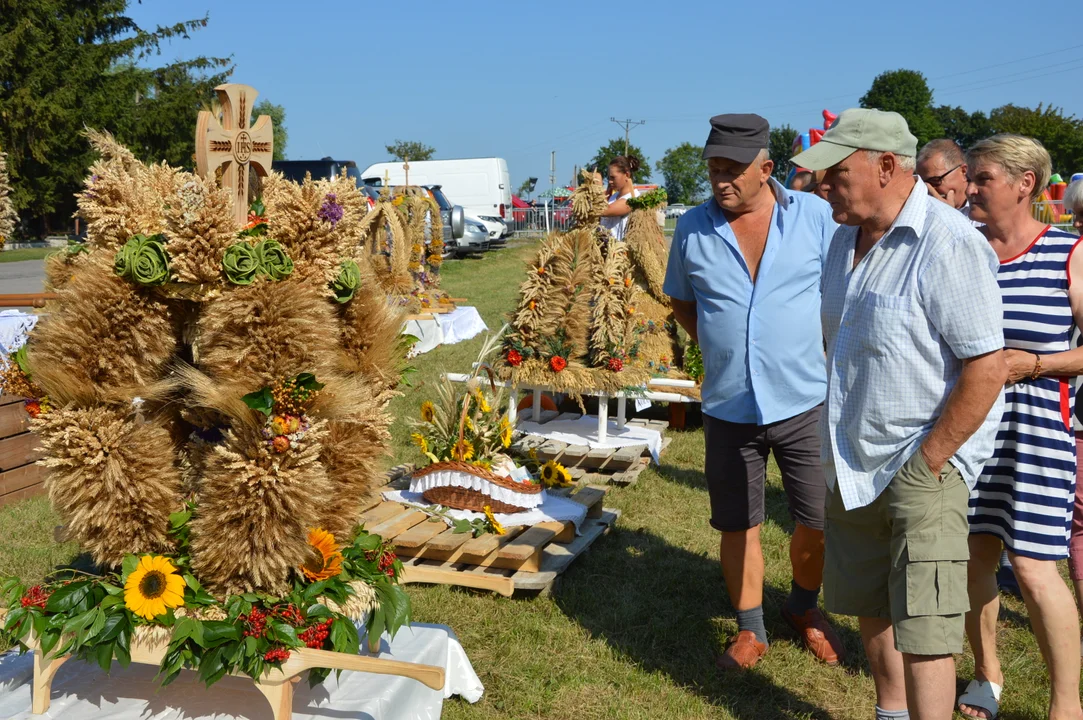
pixel 859 129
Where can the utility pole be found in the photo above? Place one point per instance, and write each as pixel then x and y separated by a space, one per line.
pixel 627 125
pixel 552 168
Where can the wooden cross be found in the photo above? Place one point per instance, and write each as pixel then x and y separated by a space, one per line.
pixel 234 143
pixel 406 169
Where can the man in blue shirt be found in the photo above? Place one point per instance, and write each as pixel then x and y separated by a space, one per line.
pixel 744 278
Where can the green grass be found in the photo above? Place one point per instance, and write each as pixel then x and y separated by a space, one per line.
pixel 25 254
pixel 634 626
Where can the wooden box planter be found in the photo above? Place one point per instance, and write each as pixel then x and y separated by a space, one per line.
pixel 19 476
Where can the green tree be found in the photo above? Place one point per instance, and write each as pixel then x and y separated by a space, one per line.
pixel 684 174
pixel 963 127
pixel 409 149
pixel 524 188
pixel 614 148
pixel 277 113
pixel 1062 135
pixel 780 148
pixel 907 93
pixel 67 65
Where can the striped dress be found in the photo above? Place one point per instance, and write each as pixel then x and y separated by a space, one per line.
pixel 1025 493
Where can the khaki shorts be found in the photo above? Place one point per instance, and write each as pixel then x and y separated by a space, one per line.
pixel 903 557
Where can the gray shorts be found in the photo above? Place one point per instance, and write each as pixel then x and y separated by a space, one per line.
pixel 736 470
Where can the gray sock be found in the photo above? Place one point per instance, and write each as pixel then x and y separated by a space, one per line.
pixel 1005 561
pixel 801 600
pixel 882 714
pixel 753 620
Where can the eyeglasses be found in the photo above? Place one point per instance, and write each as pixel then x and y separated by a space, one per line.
pixel 935 181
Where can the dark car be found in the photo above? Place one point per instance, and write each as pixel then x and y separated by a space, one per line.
pixel 324 169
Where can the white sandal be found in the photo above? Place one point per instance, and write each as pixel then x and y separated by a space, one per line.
pixel 981 694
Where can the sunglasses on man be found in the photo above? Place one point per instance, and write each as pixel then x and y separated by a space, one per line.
pixel 935 181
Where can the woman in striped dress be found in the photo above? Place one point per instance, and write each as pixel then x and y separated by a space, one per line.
pixel 1023 499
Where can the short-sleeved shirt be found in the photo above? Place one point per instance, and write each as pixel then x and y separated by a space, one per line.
pixel 762 344
pixel 618 225
pixel 898 327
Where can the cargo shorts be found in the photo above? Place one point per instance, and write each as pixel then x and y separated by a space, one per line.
pixel 903 557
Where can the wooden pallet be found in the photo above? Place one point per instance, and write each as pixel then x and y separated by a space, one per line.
pixel 528 559
pixel 19 476
pixel 616 466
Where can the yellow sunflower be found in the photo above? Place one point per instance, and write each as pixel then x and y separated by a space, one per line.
pixel 553 474
pixel 421 442
pixel 462 450
pixel 428 411
pixel 493 524
pixel 483 403
pixel 505 432
pixel 325 560
pixel 153 587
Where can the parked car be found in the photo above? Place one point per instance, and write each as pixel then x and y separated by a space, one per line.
pixel 451 216
pixel 323 169
pixel 676 210
pixel 496 226
pixel 475 239
pixel 481 185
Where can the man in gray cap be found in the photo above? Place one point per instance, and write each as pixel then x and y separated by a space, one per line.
pixel 912 319
pixel 744 278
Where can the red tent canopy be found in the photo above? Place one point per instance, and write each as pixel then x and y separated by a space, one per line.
pixel 516 202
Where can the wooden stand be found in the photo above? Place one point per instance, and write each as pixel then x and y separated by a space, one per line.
pixel 276 684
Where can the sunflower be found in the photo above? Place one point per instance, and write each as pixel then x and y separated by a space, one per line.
pixel 153 587
pixel 462 450
pixel 505 431
pixel 428 411
pixel 421 442
pixel 325 560
pixel 495 526
pixel 553 474
pixel 482 402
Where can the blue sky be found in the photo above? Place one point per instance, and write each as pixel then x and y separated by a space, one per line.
pixel 519 79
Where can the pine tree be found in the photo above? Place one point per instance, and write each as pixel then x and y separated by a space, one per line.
pixel 7 211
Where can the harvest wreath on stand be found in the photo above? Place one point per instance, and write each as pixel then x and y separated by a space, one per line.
pixel 591 314
pixel 210 393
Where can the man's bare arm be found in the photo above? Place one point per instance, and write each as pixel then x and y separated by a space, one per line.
pixel 685 313
pixel 968 405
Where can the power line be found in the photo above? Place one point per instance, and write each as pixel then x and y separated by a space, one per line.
pixel 627 125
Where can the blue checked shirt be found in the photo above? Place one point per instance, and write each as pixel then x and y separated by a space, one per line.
pixel 897 328
pixel 762 345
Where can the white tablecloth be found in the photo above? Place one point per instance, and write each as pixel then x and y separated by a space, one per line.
pixel 460 324
pixel 15 325
pixel 584 431
pixel 553 508
pixel 82 691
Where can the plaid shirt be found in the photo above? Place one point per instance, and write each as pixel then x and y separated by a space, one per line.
pixel 897 328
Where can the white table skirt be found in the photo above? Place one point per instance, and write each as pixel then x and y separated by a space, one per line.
pixel 460 324
pixel 584 431
pixel 82 691
pixel 15 325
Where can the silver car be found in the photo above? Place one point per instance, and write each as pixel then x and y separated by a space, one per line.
pixel 475 239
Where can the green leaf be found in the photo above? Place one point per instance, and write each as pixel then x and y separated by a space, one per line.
pixel 112 626
pixel 376 629
pixel 210 664
pixel 215 632
pixel 260 401
pixel 307 381
pixel 77 622
pixel 124 658
pixel 197 631
pixel 284 633
pixel 461 526
pixel 14 618
pixel 191 582
pixel 104 654
pixel 49 640
pixel 68 597
pixel 131 562
pixel 182 630
pixel 314 590
pixel 251 645
pixel 112 590
pixel 179 518
pixel 111 601
pixel 98 624
pixel 344 636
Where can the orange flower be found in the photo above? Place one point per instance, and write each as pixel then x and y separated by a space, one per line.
pixel 280 444
pixel 325 560
pixel 627 282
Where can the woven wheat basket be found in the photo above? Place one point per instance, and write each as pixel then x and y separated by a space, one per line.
pixel 461 498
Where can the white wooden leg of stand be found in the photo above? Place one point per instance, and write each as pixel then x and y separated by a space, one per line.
pixel 513 406
pixel 603 417
pixel 536 407
pixel 622 411
pixel 44 672
pixel 280 694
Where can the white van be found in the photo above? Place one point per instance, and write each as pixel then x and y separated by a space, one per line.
pixel 481 185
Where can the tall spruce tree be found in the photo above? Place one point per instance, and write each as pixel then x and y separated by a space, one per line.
pixel 65 66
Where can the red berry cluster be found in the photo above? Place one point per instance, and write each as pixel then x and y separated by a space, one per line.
pixel 36 596
pixel 615 364
pixel 290 614
pixel 278 654
pixel 316 635
pixel 387 563
pixel 256 622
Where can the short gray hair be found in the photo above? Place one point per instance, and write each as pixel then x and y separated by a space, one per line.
pixel 906 163
pixel 1073 197
pixel 945 147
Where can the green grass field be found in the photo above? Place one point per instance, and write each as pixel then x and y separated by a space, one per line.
pixel 25 254
pixel 633 628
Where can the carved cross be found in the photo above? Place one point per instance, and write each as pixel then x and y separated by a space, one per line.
pixel 234 144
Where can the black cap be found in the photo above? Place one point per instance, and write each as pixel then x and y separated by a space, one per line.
pixel 737 137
